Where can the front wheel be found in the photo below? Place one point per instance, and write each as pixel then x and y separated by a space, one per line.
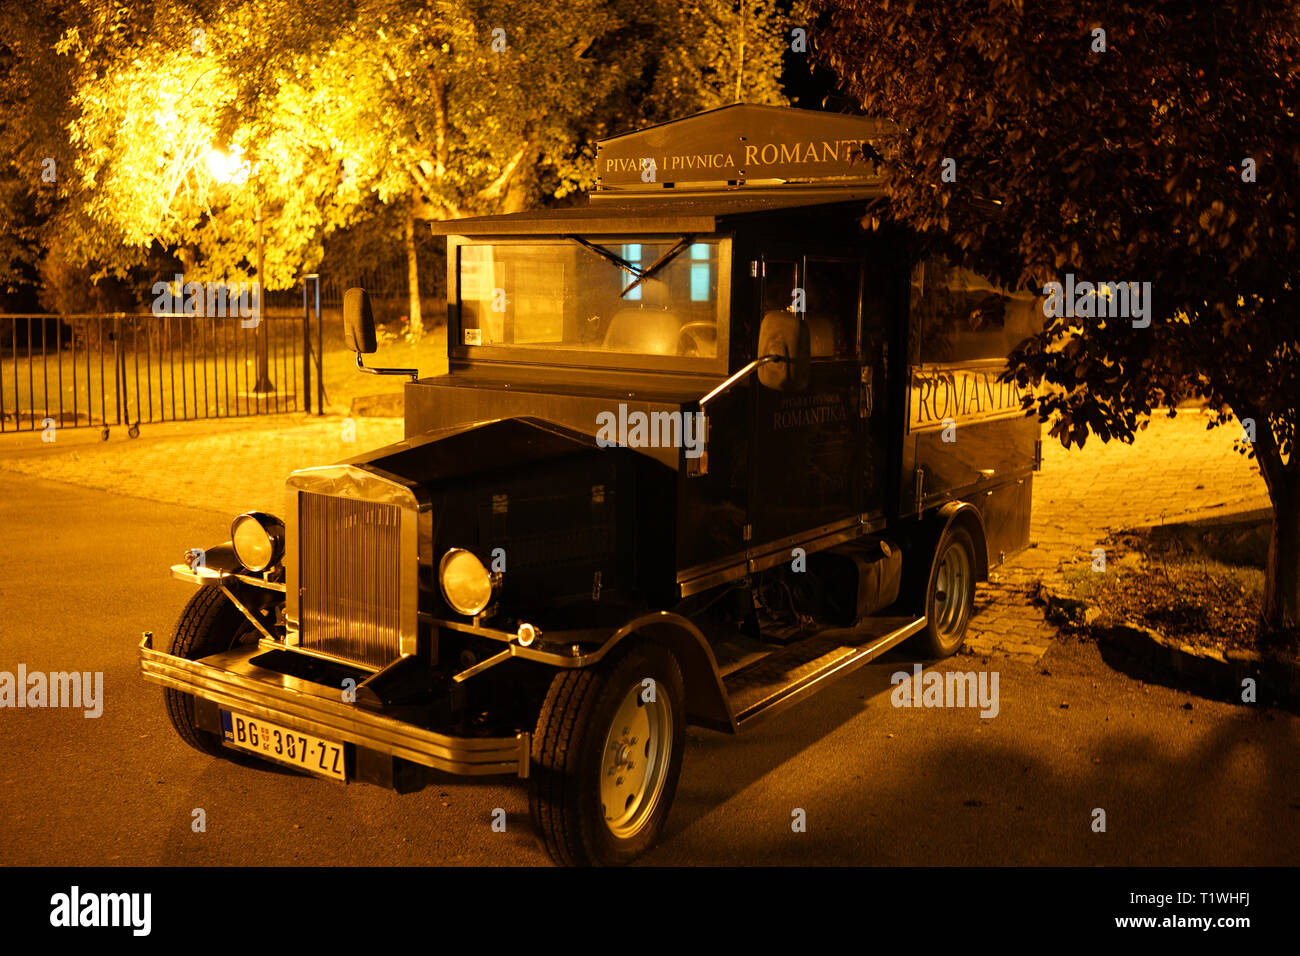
pixel 950 595
pixel 209 624
pixel 606 757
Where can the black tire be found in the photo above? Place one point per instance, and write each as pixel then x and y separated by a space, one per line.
pixel 209 624
pixel 569 757
pixel 949 595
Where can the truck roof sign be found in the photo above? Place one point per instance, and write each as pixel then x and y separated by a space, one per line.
pixel 740 144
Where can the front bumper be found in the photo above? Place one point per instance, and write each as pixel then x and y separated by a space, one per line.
pixel 231 681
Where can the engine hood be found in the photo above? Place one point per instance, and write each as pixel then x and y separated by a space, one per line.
pixel 449 402
pixel 572 521
pixel 476 449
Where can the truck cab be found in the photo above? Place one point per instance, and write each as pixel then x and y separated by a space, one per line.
pixel 706 443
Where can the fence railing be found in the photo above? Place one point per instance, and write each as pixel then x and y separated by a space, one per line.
pixel 386 280
pixel 123 369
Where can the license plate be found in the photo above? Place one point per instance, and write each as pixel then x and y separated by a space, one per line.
pixel 281 744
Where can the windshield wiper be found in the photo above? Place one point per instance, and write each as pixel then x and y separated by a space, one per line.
pixel 659 263
pixel 607 255
pixel 638 275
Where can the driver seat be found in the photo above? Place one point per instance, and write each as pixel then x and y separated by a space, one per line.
pixel 651 328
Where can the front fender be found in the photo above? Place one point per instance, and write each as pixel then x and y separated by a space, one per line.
pixel 706 699
pixel 208 566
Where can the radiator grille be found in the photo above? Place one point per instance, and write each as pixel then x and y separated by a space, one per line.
pixel 349 556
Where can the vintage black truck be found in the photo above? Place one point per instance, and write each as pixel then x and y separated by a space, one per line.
pixel 706 443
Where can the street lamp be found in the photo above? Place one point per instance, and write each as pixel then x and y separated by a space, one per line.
pixel 231 168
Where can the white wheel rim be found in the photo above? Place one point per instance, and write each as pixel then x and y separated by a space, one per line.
pixel 634 762
pixel 953 584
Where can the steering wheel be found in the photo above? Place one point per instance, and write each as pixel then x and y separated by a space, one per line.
pixel 692 339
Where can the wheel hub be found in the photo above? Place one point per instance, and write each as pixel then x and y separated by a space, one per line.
pixel 634 762
pixel 953 584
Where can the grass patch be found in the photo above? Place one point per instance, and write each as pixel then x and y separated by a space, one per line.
pixel 1182 581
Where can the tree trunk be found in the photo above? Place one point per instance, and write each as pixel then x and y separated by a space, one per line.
pixel 415 331
pixel 189 262
pixel 1282 573
pixel 518 192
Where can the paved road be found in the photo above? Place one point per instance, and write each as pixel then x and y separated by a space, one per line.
pixel 84 572
pixel 1176 468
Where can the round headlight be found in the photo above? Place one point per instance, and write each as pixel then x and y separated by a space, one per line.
pixel 466 584
pixel 258 539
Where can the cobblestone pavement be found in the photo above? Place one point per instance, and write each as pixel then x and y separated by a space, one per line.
pixel 227 467
pixel 1175 469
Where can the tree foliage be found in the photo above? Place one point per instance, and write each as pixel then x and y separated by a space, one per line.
pixel 433 107
pixel 1125 155
pixel 35 104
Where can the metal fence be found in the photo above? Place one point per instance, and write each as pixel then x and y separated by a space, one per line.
pixel 383 280
pixel 122 370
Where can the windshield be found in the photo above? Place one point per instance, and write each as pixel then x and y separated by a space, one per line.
pixel 643 297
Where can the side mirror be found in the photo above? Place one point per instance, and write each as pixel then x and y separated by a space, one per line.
pixel 358 322
pixel 781 333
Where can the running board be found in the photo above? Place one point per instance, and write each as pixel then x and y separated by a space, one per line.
pixel 787 676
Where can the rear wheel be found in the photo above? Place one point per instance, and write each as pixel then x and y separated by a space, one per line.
pixel 209 624
pixel 606 757
pixel 950 595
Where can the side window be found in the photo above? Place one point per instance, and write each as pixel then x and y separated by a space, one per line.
pixel 960 316
pixel 832 297
pixel 780 279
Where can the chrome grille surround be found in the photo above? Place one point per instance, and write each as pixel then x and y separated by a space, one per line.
pixel 351 563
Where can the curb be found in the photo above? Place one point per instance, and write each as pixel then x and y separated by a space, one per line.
pixel 378 406
pixel 1275 680
pixel 1278 680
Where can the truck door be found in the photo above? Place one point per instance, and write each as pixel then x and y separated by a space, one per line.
pixel 810 450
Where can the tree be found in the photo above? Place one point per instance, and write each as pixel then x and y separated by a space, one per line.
pixel 438 108
pixel 35 156
pixel 157 98
pixel 453 109
pixel 1133 140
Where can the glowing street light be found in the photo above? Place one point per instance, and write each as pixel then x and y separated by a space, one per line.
pixel 227 167
pixel 230 168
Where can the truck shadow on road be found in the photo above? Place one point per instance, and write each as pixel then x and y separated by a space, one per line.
pixel 1213 786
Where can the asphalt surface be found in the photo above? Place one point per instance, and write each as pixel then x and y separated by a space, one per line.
pixel 1183 780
